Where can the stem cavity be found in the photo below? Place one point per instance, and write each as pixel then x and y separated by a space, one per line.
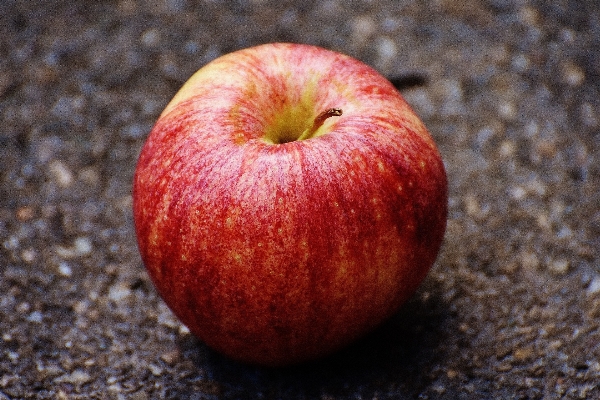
pixel 319 121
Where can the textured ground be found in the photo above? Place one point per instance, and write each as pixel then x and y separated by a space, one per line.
pixel 509 90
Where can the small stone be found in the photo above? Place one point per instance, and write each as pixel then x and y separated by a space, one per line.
pixel 421 101
pixel 439 389
pixel 589 115
pixel 451 373
pixel 451 92
pixel 171 357
pixel 572 74
pixel 150 38
pixel 504 367
pixel 559 267
pixel 115 388
pixel 520 63
pixel 537 187
pixel 77 377
pixel 119 292
pixel 518 193
pixel 507 110
pixel 529 16
pixel 529 382
pixel 61 174
pixel 472 205
pixel 530 261
pixel 544 222
pixel 183 330
pixel 23 307
pixel 65 269
pixel 523 354
pixel 28 255
pixel 12 355
pixel 111 269
pixel 65 252
pixel 140 395
pixel 81 307
pixel 127 7
pixel 362 28
pixel 49 370
pixel 133 131
pixel 89 176
pixel 8 380
pixel 83 246
pixel 25 213
pixel 11 243
pixel 155 369
pixel 386 49
pixel 555 344
pixel 594 286
pixel 507 148
pixel 36 317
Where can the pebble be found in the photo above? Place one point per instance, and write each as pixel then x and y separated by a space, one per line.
pixel 518 193
pixel 89 176
pixel 77 377
pixel 520 63
pixel 523 354
pixel 363 27
pixel 151 37
pixel 504 367
pixel 590 115
pixel 134 131
pixel 61 174
pixel 594 286
pixel 29 255
pixel 451 96
pixel 508 110
pixel 36 317
pixel 559 267
pixel 24 307
pixel 572 74
pixel 24 213
pixel 155 369
pixel 386 49
pixel 171 357
pixel 167 319
pixel 116 388
pixel 65 269
pixel 12 243
pixel 119 292
pixel 49 370
pixel 421 101
pixel 82 246
pixel 530 261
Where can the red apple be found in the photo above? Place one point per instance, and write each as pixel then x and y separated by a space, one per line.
pixel 286 202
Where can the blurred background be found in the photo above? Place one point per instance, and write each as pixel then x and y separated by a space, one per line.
pixel 510 92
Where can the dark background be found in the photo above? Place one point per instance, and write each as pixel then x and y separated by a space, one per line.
pixel 510 92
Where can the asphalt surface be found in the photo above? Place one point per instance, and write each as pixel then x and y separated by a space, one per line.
pixel 509 90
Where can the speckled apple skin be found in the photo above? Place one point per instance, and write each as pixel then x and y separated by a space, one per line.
pixel 275 254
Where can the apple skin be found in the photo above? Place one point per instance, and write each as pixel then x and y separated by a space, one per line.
pixel 273 250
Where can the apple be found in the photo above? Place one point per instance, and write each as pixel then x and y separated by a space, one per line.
pixel 286 202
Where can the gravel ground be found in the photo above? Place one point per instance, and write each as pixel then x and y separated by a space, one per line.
pixel 509 90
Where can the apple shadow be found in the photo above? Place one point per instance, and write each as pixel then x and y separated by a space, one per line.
pixel 400 354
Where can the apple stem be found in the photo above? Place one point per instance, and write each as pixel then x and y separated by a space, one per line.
pixel 332 112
